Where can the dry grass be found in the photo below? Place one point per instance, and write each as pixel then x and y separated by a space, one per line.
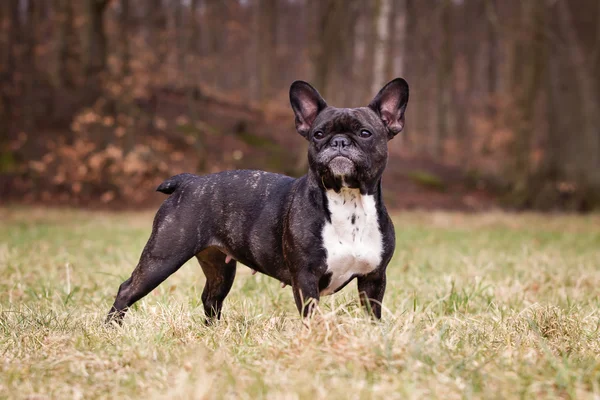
pixel 478 306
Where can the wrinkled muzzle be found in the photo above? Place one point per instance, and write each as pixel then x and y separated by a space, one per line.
pixel 341 166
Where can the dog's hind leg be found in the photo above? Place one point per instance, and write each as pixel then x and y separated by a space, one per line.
pixel 219 279
pixel 149 273
pixel 166 251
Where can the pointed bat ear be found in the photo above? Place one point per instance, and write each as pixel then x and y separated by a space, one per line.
pixel 307 103
pixel 390 104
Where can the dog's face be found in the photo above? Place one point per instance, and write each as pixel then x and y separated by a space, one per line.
pixel 348 146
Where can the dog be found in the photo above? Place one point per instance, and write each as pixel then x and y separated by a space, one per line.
pixel 315 233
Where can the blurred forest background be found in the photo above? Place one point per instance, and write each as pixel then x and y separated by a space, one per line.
pixel 102 99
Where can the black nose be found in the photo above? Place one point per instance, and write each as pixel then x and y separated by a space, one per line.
pixel 340 141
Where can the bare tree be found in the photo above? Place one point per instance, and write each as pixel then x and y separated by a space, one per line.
pixel 267 35
pixel 527 68
pixel 471 11
pixel 94 60
pixel 124 22
pixel 444 80
pixel 397 43
pixel 194 31
pixel 491 56
pixel 326 41
pixel 589 145
pixel 64 43
pixel 381 50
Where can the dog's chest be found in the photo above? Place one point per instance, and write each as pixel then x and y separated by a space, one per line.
pixel 352 239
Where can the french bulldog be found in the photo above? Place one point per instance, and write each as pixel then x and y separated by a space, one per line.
pixel 315 233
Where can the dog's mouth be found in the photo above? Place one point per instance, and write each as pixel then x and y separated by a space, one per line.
pixel 341 166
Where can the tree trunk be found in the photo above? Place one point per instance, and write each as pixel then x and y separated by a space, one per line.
pixel 215 37
pixel 253 53
pixel 589 144
pixel 327 41
pixel 462 95
pixel 154 25
pixel 267 35
pixel 528 65
pixel 125 54
pixel 4 18
pixel 343 61
pixel 180 36
pixel 359 52
pixel 492 58
pixel 29 67
pixel 371 17
pixel 397 42
pixel 14 32
pixel 95 41
pixel 64 75
pixel 5 73
pixel 194 33
pixel 11 37
pixel 331 47
pixel 444 81
pixel 413 70
pixel 30 42
pixel 381 49
pixel 191 90
pixel 552 169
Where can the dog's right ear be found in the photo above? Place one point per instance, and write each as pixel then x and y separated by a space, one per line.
pixel 307 103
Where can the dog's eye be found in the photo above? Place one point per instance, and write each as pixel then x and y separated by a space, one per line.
pixel 365 134
pixel 318 135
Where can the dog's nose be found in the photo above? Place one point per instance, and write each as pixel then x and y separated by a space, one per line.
pixel 340 141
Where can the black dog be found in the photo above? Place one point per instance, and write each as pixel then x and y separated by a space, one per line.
pixel 315 233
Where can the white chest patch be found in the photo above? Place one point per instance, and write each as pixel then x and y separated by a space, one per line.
pixel 353 240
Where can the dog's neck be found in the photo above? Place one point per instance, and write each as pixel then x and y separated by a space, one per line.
pixel 317 182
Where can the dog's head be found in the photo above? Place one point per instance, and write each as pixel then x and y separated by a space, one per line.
pixel 348 146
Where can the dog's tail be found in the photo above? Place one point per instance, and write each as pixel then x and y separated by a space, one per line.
pixel 171 184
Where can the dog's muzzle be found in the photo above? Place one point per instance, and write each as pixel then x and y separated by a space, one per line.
pixel 341 166
pixel 340 162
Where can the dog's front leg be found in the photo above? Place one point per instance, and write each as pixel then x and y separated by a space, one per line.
pixel 305 285
pixel 371 288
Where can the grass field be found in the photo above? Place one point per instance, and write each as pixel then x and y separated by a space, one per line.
pixel 478 306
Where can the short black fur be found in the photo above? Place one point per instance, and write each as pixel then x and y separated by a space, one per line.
pixel 273 223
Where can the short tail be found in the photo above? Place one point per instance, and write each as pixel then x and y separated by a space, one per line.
pixel 171 184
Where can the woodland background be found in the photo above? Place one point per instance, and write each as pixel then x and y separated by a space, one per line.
pixel 102 99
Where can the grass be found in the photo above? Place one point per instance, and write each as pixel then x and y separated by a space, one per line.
pixel 477 306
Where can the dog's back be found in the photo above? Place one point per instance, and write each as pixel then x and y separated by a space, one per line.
pixel 228 210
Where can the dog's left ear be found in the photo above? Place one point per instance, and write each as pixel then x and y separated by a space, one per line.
pixel 307 103
pixel 390 104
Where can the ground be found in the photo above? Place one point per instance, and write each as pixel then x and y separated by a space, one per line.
pixel 491 305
